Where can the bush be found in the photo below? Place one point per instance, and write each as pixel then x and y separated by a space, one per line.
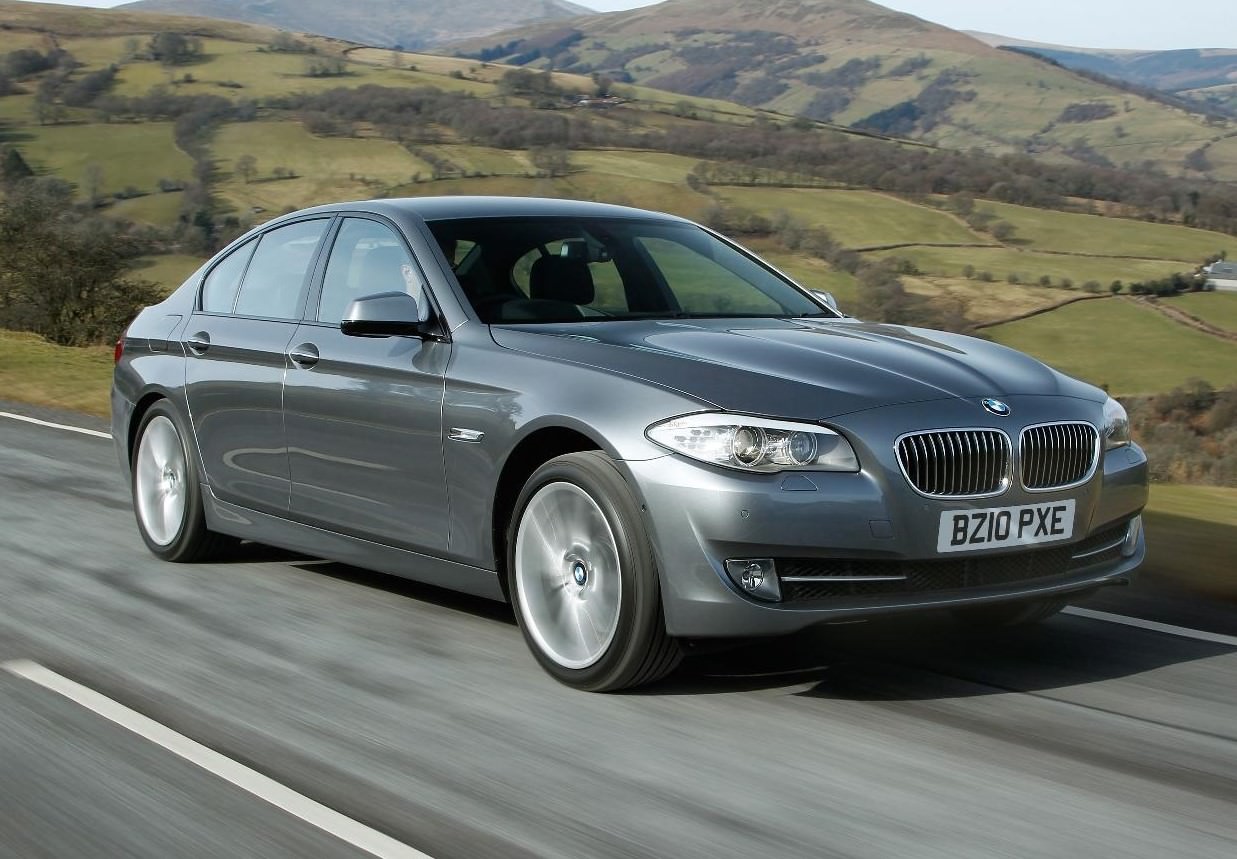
pixel 63 270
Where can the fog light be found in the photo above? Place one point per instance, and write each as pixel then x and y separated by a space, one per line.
pixel 756 577
pixel 1130 546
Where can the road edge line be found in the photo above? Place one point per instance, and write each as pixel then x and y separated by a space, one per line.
pixel 267 789
pixel 66 427
pixel 1153 626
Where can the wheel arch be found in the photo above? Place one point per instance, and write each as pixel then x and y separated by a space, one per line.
pixel 533 451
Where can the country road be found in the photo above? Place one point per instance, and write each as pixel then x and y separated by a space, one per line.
pixel 414 717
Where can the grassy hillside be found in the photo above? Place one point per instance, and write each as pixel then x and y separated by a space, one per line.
pixel 296 167
pixel 855 63
pixel 1126 348
pixel 1217 308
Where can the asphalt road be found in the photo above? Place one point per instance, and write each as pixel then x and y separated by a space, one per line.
pixel 420 714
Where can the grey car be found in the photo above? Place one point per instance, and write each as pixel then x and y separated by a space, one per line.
pixel 634 430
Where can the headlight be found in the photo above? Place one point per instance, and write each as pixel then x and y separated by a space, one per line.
pixel 755 444
pixel 1116 425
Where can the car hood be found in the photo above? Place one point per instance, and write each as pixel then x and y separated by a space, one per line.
pixel 797 368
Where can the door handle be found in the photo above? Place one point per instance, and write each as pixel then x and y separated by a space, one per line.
pixel 198 343
pixel 304 356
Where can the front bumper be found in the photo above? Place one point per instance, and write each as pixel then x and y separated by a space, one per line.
pixel 826 523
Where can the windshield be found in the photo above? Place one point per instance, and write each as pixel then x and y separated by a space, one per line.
pixel 562 270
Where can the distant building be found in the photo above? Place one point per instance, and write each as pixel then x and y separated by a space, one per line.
pixel 1222 276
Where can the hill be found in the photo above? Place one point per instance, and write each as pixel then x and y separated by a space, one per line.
pixel 411 24
pixel 858 64
pixel 1171 71
pixel 254 121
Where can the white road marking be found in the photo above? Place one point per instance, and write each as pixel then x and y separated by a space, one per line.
pixel 1154 626
pixel 314 813
pixel 65 427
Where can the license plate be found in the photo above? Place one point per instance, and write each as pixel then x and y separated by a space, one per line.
pixel 970 530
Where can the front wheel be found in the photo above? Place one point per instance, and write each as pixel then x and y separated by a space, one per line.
pixel 1023 613
pixel 583 578
pixel 167 496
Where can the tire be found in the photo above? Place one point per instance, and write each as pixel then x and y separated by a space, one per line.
pixel 167 495
pixel 583 579
pixel 1011 614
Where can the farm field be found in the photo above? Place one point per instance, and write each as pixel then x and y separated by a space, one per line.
pixel 1047 230
pixel 327 168
pixel 169 270
pixel 1218 308
pixel 1128 349
pixel 1030 266
pixel 137 154
pixel 856 218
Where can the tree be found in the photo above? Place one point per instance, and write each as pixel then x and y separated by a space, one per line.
pixel 174 49
pixel 247 168
pixel 13 167
pixel 63 270
pixel 554 161
pixel 94 183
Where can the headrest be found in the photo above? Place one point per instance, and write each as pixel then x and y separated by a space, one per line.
pixel 561 279
pixel 383 270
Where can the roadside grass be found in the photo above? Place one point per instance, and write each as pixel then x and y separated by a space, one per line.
pixel 35 371
pixel 1191 533
pixel 855 218
pixel 1031 266
pixel 1043 229
pixel 136 154
pixel 1218 308
pixel 1127 348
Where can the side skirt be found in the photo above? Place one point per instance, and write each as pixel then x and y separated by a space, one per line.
pixel 248 524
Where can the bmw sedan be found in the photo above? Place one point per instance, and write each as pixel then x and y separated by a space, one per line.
pixel 633 429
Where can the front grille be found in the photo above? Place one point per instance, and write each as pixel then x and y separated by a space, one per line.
pixel 956 463
pixel 1055 456
pixel 834 578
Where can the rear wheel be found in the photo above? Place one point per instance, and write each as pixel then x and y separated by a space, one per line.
pixel 167 496
pixel 1021 613
pixel 583 578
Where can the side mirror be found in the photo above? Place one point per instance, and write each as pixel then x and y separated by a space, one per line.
pixel 388 314
pixel 827 299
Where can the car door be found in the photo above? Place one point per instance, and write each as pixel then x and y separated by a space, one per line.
pixel 363 415
pixel 236 345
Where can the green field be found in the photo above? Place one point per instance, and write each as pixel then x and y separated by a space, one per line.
pixel 137 154
pixel 1047 230
pixel 157 209
pixel 1129 349
pixel 329 169
pixel 1030 265
pixel 1218 308
pixel 169 271
pixel 855 218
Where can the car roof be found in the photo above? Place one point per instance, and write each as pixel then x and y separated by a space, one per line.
pixel 456 208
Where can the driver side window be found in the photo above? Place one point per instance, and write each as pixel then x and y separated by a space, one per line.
pixel 367 258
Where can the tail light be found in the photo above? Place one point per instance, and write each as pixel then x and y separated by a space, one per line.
pixel 119 351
